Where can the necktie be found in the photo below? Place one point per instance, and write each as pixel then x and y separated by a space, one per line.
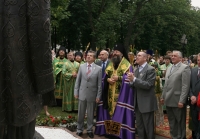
pixel 103 68
pixel 89 69
pixel 172 68
pixel 198 75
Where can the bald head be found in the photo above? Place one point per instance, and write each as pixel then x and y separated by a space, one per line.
pixel 144 54
pixel 141 58
pixel 104 55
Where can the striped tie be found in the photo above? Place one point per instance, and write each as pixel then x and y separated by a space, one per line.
pixel 89 70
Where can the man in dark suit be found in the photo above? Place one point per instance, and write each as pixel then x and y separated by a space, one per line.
pixel 104 61
pixel 194 91
pixel 143 80
pixel 174 95
pixel 88 90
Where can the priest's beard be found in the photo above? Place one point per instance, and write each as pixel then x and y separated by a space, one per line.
pixel 62 56
pixel 116 60
pixel 77 60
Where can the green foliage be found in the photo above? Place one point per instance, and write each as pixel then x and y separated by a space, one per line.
pixel 147 24
pixel 59 11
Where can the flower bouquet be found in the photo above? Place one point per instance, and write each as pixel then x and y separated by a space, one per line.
pixel 69 122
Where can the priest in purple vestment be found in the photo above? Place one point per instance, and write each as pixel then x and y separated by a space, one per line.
pixel 115 113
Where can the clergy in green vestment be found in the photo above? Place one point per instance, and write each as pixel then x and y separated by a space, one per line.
pixel 113 72
pixel 164 68
pixel 70 70
pixel 157 68
pixel 79 58
pixel 58 77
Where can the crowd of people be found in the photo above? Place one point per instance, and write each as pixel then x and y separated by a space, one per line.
pixel 120 88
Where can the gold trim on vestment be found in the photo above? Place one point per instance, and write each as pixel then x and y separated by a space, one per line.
pixel 112 127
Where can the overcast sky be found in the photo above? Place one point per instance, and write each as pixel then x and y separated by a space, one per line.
pixel 196 3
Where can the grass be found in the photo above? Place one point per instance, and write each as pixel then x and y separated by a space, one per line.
pixel 57 111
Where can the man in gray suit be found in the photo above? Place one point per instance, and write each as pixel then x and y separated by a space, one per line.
pixel 174 95
pixel 88 90
pixel 143 81
pixel 194 92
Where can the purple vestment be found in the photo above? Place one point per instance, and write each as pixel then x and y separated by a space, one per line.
pixel 123 114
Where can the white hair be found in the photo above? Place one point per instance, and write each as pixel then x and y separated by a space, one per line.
pixel 179 53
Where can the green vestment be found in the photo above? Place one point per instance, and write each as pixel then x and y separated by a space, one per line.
pixel 163 68
pixel 82 62
pixel 69 103
pixel 58 77
pixel 113 91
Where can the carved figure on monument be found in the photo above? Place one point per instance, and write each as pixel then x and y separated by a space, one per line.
pixel 26 76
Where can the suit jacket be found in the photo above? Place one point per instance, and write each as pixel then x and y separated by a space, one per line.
pixel 88 87
pixel 194 83
pixel 194 91
pixel 145 89
pixel 177 84
pixel 99 63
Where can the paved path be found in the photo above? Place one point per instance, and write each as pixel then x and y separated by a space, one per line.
pixel 84 136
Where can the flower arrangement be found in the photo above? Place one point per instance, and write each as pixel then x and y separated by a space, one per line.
pixel 69 122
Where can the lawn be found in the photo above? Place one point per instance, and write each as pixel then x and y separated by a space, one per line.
pixel 57 111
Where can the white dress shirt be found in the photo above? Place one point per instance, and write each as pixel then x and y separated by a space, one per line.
pixel 90 66
pixel 105 62
pixel 140 69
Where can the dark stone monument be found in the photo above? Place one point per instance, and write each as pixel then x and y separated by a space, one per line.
pixel 25 65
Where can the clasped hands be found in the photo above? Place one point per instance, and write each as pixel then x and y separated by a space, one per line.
pixel 193 100
pixel 130 76
pixel 74 74
pixel 113 79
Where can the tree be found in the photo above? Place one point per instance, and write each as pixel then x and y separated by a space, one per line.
pixel 58 14
pixel 147 24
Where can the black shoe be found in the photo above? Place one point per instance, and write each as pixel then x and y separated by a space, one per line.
pixel 111 136
pixel 90 134
pixel 136 131
pixel 107 136
pixel 79 134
